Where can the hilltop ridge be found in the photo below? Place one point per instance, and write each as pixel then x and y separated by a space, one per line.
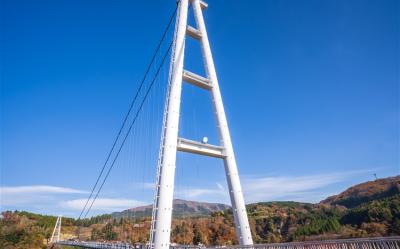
pixel 181 208
pixel 366 191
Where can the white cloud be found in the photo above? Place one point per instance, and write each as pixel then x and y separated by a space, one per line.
pixel 190 193
pixel 212 194
pixel 102 204
pixel 309 188
pixel 257 189
pixel 149 185
pixel 55 199
pixel 39 189
pixel 303 188
pixel 19 196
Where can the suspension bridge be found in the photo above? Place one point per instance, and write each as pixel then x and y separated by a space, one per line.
pixel 171 143
pixel 363 243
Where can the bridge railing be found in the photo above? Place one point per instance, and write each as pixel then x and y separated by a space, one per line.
pixel 96 245
pixel 359 243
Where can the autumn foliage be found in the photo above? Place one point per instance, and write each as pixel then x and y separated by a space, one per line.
pixel 371 213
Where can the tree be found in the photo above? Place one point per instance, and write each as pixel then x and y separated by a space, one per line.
pixel 198 236
pixel 108 232
pixel 95 234
pixel 395 228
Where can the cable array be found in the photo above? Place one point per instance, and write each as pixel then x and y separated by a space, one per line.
pixel 129 130
pixel 115 148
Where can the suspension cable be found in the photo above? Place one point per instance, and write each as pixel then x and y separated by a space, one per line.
pixel 130 127
pixel 130 109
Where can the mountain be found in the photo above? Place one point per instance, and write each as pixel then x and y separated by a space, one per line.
pixel 365 192
pixel 369 209
pixel 181 209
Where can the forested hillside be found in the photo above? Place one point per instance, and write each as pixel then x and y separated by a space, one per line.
pixel 365 210
pixel 364 192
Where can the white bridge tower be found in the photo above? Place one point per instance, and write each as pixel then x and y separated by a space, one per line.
pixel 171 143
pixel 55 237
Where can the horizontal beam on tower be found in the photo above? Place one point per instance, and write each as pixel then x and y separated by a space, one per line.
pixel 203 5
pixel 186 145
pixel 193 32
pixel 196 80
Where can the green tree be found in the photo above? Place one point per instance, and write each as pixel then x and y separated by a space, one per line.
pixel 95 234
pixel 198 236
pixel 108 232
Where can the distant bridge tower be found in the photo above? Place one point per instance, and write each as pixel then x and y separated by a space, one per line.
pixel 170 143
pixel 55 237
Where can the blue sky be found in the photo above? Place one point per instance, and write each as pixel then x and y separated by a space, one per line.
pixel 311 92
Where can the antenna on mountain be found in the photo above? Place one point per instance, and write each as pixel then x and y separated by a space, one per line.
pixel 376 178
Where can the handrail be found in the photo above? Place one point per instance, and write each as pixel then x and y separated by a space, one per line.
pixel 392 242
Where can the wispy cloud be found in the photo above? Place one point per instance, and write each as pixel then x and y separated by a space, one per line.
pixel 309 188
pixel 35 195
pixel 149 185
pixel 214 193
pixel 304 188
pixel 217 193
pixel 39 189
pixel 103 204
pixel 190 193
pixel 56 199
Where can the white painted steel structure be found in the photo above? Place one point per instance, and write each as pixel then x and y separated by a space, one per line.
pixel 55 237
pixel 358 243
pixel 170 143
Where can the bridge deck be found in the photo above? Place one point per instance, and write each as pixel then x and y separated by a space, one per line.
pixel 96 245
pixel 360 243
